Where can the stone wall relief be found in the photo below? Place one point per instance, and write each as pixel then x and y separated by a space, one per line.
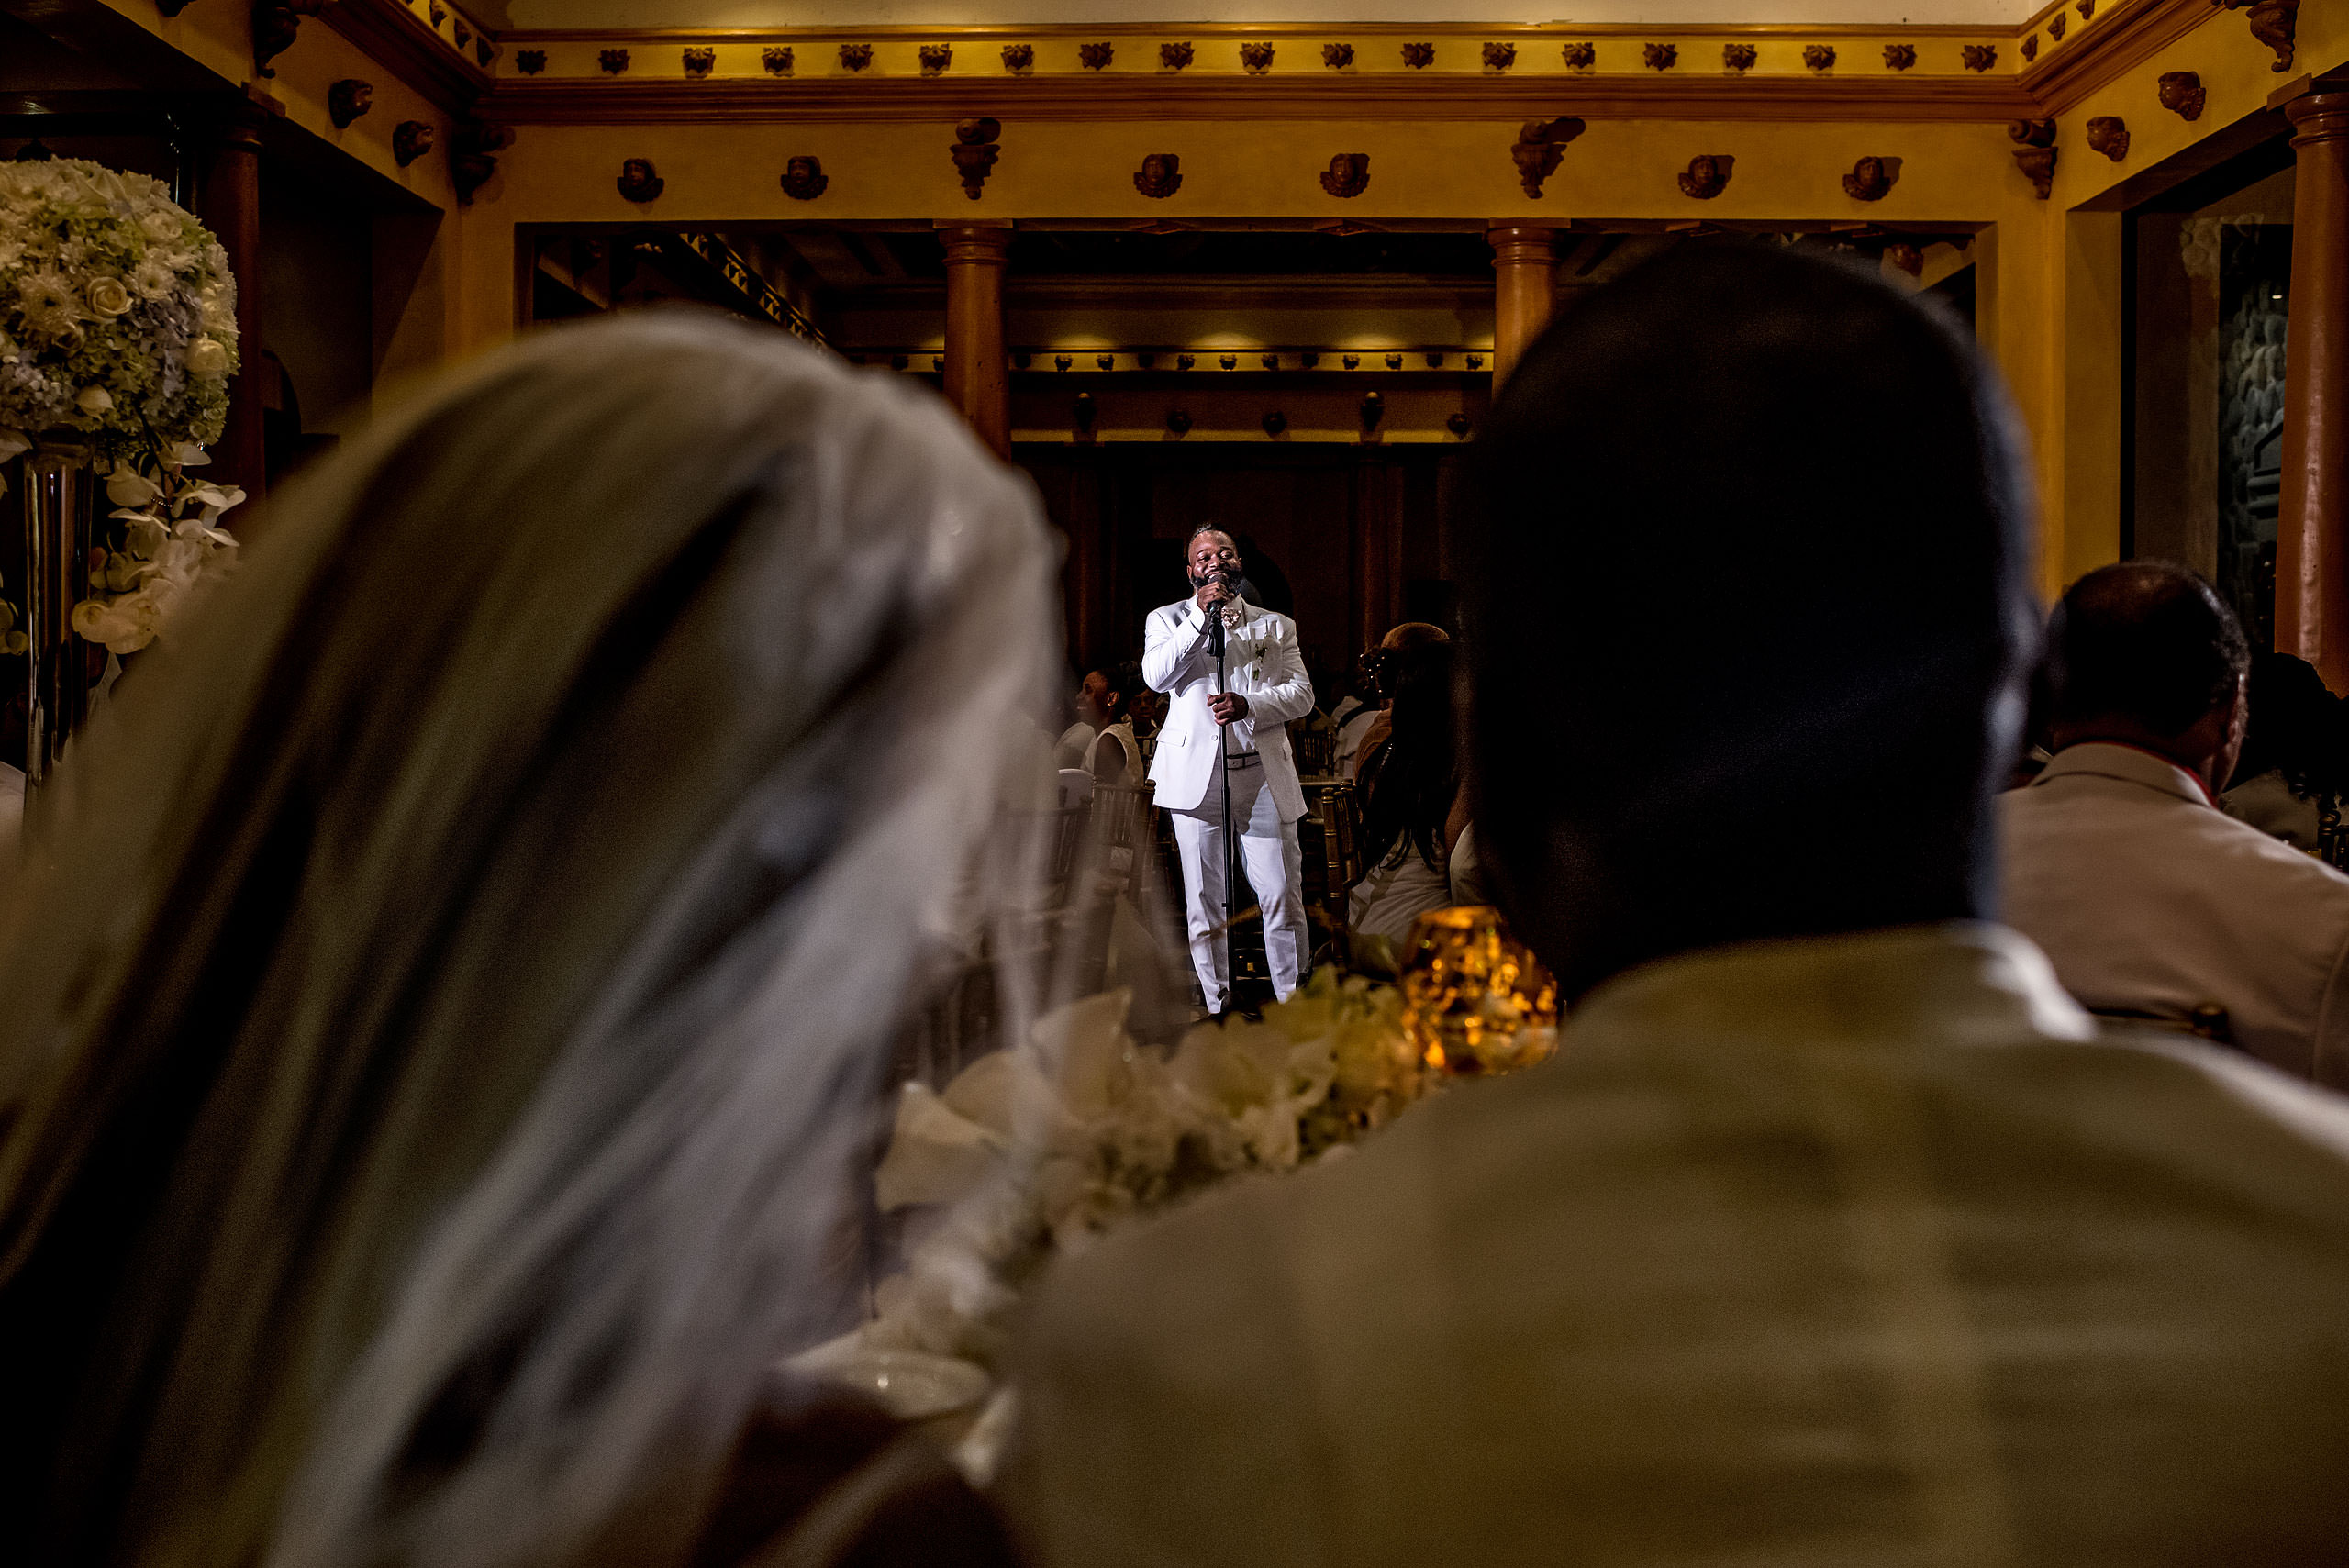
pixel 638 181
pixel 1160 176
pixel 411 139
pixel 1871 178
pixel 473 148
pixel 2181 93
pixel 348 99
pixel 1707 176
pixel 2036 155
pixel 976 152
pixel 804 178
pixel 1348 174
pixel 1540 145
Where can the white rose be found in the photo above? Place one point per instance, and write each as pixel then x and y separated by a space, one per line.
pixel 160 227
pixel 95 400
pixel 207 356
pixel 216 312
pixel 106 298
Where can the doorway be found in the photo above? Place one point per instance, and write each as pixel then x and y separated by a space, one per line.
pixel 1348 539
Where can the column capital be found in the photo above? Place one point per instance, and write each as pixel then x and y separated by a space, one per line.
pixel 2318 116
pixel 976 244
pixel 1523 242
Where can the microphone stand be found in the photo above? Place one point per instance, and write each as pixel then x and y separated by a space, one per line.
pixel 1223 771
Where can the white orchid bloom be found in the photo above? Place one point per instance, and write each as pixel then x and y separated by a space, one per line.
pixel 128 487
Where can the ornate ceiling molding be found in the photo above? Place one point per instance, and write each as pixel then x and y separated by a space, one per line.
pixel 1656 97
pixel 1944 73
pixel 409 42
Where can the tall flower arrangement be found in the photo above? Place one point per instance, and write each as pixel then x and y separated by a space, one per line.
pixel 118 325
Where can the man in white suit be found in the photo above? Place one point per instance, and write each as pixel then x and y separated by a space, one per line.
pixel 1234 724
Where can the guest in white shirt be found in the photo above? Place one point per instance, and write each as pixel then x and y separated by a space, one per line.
pixel 1835 1233
pixel 2150 900
pixel 1115 755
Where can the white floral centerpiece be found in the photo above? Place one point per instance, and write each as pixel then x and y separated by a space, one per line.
pixel 118 326
pixel 1035 1151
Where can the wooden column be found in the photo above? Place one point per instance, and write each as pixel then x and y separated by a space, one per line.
pixel 979 375
pixel 1524 267
pixel 232 211
pixel 2312 527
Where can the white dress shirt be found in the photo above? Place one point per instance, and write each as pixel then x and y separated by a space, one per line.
pixel 1262 663
pixel 2149 899
pixel 1855 1251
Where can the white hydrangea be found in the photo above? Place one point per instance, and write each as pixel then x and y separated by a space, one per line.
pixel 119 323
pixel 106 285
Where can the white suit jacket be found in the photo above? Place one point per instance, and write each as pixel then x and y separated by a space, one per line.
pixel 2147 898
pixel 1858 1250
pixel 1264 664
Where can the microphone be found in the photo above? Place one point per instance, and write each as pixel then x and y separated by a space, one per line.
pixel 1214 613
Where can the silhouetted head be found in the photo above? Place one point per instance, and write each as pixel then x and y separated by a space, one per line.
pixel 2295 725
pixel 1747 614
pixel 2146 654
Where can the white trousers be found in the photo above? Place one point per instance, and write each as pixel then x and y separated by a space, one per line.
pixel 1268 848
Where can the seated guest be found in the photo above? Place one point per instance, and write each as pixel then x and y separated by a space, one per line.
pixel 1367 726
pixel 1115 756
pixel 1835 1233
pixel 1414 806
pixel 2149 900
pixel 2291 747
pixel 1086 707
pixel 440 1042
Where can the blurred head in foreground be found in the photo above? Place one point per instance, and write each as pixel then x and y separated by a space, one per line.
pixel 1748 541
pixel 436 1025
